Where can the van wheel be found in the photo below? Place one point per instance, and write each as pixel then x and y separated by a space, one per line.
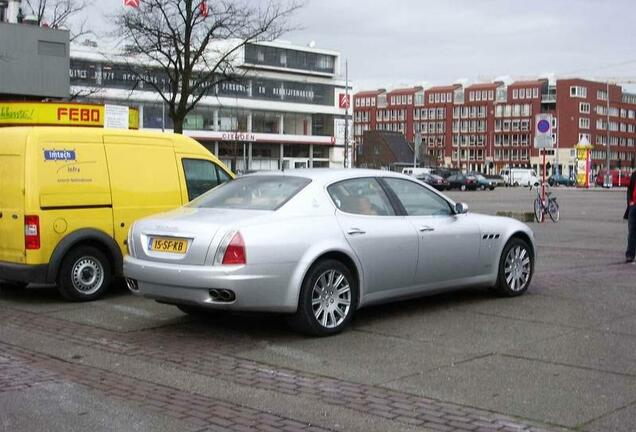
pixel 85 274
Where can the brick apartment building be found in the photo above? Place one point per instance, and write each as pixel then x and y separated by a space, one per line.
pixel 476 125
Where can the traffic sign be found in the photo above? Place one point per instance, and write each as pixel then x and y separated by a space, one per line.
pixel 344 100
pixel 543 131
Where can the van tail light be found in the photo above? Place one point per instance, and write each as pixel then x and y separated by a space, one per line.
pixel 231 250
pixel 32 232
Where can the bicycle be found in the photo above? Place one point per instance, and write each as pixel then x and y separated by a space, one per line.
pixel 548 205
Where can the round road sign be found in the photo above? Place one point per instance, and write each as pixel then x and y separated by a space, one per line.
pixel 543 126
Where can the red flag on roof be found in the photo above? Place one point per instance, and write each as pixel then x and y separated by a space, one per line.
pixel 132 3
pixel 203 8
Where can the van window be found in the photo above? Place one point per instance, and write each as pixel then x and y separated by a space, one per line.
pixel 201 176
pixel 223 176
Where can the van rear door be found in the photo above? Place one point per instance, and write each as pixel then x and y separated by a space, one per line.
pixel 12 198
pixel 144 178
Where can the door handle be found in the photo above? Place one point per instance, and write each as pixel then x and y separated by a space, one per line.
pixel 356 231
pixel 426 228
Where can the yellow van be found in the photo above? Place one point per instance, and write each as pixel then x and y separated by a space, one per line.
pixel 68 196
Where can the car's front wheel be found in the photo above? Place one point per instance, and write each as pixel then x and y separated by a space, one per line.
pixel 516 267
pixel 328 299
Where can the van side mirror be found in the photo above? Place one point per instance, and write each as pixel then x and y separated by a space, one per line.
pixel 461 208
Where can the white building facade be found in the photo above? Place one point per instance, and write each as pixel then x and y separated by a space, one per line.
pixel 284 111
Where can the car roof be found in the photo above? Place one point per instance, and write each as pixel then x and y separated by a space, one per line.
pixel 331 175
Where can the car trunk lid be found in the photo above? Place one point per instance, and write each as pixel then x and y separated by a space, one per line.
pixel 187 235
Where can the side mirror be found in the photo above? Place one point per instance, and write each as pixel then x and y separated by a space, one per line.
pixel 461 208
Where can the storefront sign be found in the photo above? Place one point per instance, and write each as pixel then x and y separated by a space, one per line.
pixel 238 136
pixel 60 114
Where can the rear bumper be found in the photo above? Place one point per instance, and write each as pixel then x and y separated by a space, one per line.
pixel 23 272
pixel 256 287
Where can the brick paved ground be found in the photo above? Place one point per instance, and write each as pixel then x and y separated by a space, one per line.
pixel 174 346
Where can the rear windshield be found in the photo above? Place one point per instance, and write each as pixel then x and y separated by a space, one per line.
pixel 252 193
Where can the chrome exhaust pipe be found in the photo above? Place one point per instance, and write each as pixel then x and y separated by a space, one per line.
pixel 222 295
pixel 227 295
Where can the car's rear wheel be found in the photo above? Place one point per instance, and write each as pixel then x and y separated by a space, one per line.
pixel 85 274
pixel 328 299
pixel 462 187
pixel 516 267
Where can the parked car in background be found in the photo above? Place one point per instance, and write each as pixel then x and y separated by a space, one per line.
pixel 619 178
pixel 462 182
pixel 484 183
pixel 325 227
pixel 438 182
pixel 496 179
pixel 519 176
pixel 445 172
pixel 561 180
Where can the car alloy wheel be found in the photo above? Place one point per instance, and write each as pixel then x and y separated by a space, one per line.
pixel 515 268
pixel 328 299
pixel 331 298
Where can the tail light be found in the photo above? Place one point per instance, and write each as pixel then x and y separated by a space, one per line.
pixel 32 232
pixel 231 250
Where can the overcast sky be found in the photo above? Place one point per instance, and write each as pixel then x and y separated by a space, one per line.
pixel 390 43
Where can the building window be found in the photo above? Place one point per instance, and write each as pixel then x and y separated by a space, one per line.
pixel 578 91
pixel 584 123
pixel 601 95
pixel 535 93
pixel 491 95
pixel 515 93
pixel 584 107
pixel 522 93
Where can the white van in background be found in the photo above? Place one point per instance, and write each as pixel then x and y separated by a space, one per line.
pixel 414 172
pixel 519 176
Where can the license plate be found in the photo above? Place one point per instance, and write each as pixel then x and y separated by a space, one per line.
pixel 166 244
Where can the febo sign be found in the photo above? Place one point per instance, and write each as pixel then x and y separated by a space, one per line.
pixel 543 131
pixel 344 100
pixel 78 115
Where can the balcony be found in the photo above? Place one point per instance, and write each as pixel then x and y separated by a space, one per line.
pixel 548 98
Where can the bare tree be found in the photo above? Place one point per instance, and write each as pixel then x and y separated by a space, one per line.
pixel 192 44
pixel 60 14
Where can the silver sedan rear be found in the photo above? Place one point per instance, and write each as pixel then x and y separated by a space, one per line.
pixel 319 244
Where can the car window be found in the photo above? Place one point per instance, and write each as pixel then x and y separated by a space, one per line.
pixel 418 200
pixel 259 192
pixel 361 196
pixel 201 175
